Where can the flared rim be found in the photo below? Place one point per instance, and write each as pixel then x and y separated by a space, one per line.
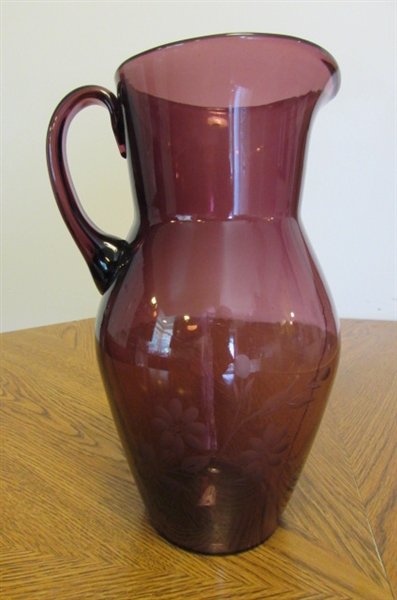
pixel 213 70
pixel 241 35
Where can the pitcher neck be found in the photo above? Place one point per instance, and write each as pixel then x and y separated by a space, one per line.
pixel 194 162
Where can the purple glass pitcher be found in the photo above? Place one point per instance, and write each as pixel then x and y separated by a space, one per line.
pixel 216 336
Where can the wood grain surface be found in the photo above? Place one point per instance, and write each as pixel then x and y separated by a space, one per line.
pixel 73 525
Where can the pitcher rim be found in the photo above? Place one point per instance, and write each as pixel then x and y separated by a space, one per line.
pixel 237 34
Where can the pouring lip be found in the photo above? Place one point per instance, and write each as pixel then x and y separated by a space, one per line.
pixel 236 34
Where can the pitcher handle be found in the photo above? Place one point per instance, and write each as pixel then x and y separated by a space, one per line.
pixel 103 253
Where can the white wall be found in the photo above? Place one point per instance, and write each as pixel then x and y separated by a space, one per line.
pixel 50 48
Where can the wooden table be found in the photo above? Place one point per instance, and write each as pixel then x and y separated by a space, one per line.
pixel 73 524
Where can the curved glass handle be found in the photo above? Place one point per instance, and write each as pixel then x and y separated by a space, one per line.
pixel 103 253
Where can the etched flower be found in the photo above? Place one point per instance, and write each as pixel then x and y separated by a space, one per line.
pixel 264 451
pixel 179 428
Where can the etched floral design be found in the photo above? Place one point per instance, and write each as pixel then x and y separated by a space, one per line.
pixel 179 428
pixel 265 451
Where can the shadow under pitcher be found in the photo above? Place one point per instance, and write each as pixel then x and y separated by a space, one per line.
pixel 216 335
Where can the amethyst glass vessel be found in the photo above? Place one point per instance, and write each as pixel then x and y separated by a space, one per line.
pixel 216 336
